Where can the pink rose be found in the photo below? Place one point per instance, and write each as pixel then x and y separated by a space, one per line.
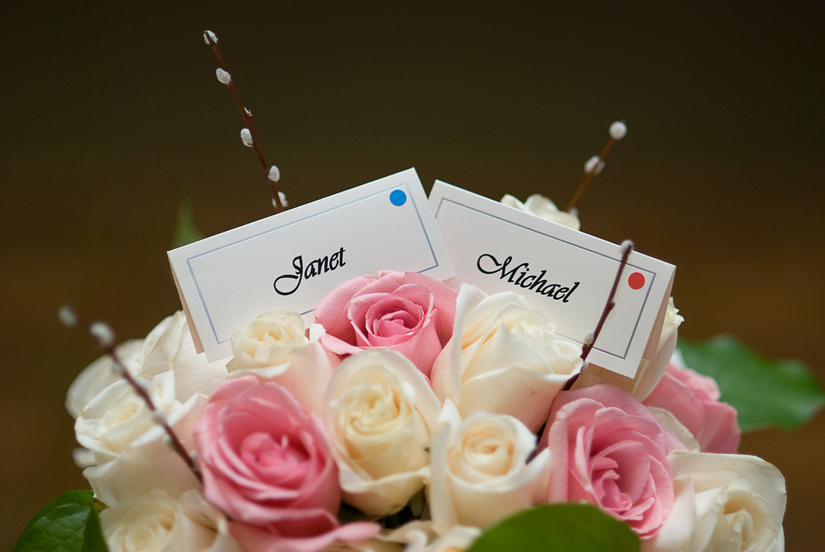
pixel 406 312
pixel 694 400
pixel 266 464
pixel 609 450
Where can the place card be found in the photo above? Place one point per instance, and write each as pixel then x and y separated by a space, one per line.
pixel 295 258
pixel 565 273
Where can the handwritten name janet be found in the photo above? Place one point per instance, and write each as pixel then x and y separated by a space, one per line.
pixel 313 268
pixel 488 264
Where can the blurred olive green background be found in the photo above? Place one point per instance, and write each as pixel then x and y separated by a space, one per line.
pixel 106 110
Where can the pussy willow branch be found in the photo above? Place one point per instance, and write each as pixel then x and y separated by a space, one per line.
pixel 588 175
pixel 627 248
pixel 121 370
pixel 246 115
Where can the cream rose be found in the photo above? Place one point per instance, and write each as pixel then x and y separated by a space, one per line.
pixel 130 455
pixel 504 358
pixel 275 347
pixel 274 338
pixel 728 502
pixel 542 207
pixel 458 538
pixel 169 348
pixel 118 416
pixel 480 472
pixel 381 413
pixel 651 372
pixel 99 375
pixel 158 523
pixel 420 536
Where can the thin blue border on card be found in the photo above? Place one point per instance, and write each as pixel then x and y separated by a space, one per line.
pixel 396 186
pixel 649 288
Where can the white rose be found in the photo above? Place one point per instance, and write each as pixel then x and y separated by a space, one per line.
pixel 99 375
pixel 158 523
pixel 419 536
pixel 458 538
pixel 650 373
pixel 728 502
pixel 275 347
pixel 480 472
pixel 117 416
pixel 504 358
pixel 169 347
pixel 542 207
pixel 131 457
pixel 381 413
pixel 273 338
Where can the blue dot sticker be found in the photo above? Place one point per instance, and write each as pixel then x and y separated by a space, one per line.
pixel 398 198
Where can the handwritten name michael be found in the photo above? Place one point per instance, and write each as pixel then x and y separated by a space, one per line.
pixel 488 264
pixel 314 268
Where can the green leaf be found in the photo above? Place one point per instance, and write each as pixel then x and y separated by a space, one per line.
pixel 185 230
pixel 557 528
pixel 69 524
pixel 782 393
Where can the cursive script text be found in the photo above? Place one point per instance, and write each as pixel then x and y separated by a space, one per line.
pixel 313 268
pixel 518 276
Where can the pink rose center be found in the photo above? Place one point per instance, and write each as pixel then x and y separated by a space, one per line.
pixel 288 458
pixel 261 450
pixel 393 316
pixel 620 476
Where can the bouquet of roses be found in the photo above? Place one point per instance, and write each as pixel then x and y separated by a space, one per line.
pixel 413 414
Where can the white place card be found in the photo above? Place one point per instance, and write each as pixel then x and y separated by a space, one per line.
pixel 295 258
pixel 563 272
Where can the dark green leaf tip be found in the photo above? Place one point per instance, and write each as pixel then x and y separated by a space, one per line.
pixel 69 524
pixel 185 230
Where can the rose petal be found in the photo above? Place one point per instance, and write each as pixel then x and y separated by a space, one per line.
pixel 608 449
pixel 265 459
pixel 331 313
pixel 391 310
pixel 692 398
pixel 324 533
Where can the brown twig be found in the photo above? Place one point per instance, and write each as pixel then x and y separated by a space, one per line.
pixel 246 115
pixel 104 337
pixel 590 340
pixel 617 132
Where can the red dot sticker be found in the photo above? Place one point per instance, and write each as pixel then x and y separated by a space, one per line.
pixel 636 280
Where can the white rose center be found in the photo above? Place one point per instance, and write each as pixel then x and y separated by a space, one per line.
pixel 145 528
pixel 745 521
pixel 483 451
pixel 150 534
pixel 369 411
pixel 262 335
pixel 118 415
pixel 271 339
pixel 377 420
